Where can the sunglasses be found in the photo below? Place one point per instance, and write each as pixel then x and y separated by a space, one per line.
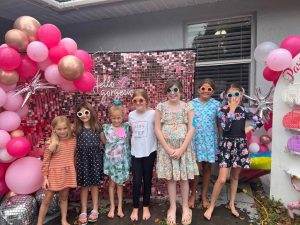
pixel 234 94
pixel 84 113
pixel 173 90
pixel 138 100
pixel 209 89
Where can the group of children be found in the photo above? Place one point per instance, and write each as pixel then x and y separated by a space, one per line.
pixel 181 137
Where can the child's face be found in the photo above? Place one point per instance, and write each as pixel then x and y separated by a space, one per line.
pixel 139 103
pixel 205 91
pixel 234 93
pixel 84 115
pixel 173 94
pixel 116 118
pixel 61 130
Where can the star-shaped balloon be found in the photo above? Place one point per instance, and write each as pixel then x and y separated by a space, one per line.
pixel 32 87
pixel 262 103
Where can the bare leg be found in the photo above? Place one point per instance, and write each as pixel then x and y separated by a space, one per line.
pixel 206 180
pixel 216 191
pixel 120 201
pixel 63 201
pixel 193 188
pixel 95 197
pixel 186 212
pixel 234 180
pixel 111 191
pixel 171 215
pixel 83 198
pixel 44 206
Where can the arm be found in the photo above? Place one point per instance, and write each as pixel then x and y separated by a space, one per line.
pixel 102 138
pixel 45 167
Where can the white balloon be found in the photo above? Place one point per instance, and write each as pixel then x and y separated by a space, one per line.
pixel 5 157
pixel 263 49
pixel 254 147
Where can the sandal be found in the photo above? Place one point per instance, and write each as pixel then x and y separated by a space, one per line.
pixel 171 220
pixel 187 220
pixel 93 217
pixel 82 219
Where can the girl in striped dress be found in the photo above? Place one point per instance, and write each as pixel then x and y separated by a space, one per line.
pixel 58 167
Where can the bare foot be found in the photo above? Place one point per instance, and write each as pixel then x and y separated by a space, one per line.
pixel 134 215
pixel 208 213
pixel 171 216
pixel 192 199
pixel 146 213
pixel 234 211
pixel 186 216
pixel 111 213
pixel 120 212
pixel 205 203
pixel 64 223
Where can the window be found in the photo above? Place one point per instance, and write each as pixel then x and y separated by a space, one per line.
pixel 223 51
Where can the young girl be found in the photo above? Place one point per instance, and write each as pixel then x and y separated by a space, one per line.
pixel 175 159
pixel 204 142
pixel 143 151
pixel 233 152
pixel 117 155
pixel 58 167
pixel 89 159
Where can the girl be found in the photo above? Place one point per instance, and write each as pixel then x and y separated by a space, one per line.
pixel 117 155
pixel 233 152
pixel 205 139
pixel 89 159
pixel 143 151
pixel 58 167
pixel 175 159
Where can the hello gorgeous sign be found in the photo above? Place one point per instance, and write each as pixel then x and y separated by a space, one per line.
pixel 294 69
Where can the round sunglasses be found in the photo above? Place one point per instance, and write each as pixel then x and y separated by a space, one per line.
pixel 138 100
pixel 234 94
pixel 173 90
pixel 209 89
pixel 84 113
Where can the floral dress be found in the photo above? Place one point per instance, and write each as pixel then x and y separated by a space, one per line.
pixel 205 140
pixel 233 151
pixel 174 128
pixel 117 152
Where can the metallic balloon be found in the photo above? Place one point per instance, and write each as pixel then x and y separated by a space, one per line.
pixel 16 39
pixel 70 67
pixel 19 210
pixel 54 205
pixel 17 133
pixel 9 77
pixel 265 139
pixel 29 25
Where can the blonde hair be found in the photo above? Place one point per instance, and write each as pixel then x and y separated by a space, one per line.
pixel 61 119
pixel 116 108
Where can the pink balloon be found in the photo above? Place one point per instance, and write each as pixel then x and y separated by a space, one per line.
pixel 49 34
pixel 86 82
pixel 52 75
pixel 10 59
pixel 279 59
pixel 3 45
pixel 24 176
pixel 8 88
pixel 3 168
pixel 23 112
pixel 67 85
pixel 255 139
pixel 270 75
pixel 43 65
pixel 291 43
pixel 56 53
pixel 269 132
pixel 5 157
pixel 9 121
pixel 4 138
pixel 86 58
pixel 2 97
pixel 263 148
pixel 69 44
pixel 13 102
pixel 3 187
pixel 37 51
pixel 18 147
pixel 28 68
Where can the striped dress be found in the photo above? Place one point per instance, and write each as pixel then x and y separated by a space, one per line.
pixel 59 166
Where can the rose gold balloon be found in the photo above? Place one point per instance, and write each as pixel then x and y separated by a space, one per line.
pixel 17 133
pixel 16 39
pixel 70 67
pixel 265 139
pixel 9 77
pixel 29 25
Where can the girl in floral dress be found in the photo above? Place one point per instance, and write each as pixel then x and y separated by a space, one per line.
pixel 233 152
pixel 175 159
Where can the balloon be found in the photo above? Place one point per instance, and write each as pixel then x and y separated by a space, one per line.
pixel 27 68
pixel 68 86
pixel 29 25
pixel 86 82
pixel 69 44
pixel 86 58
pixel 49 34
pixel 52 75
pixel 24 176
pixel 8 88
pixel 3 188
pixel 3 168
pixel 16 39
pixel 254 139
pixel 5 157
pixel 291 43
pixel 9 121
pixel 265 139
pixel 249 136
pixel 4 138
pixel 254 147
pixel 270 75
pixel 18 147
pixel 13 102
pixel 70 67
pixel 10 59
pixel 9 77
pixel 279 59
pixel 56 53
pixel 22 112
pixel 17 133
pixel 37 51
pixel 3 45
pixel 43 65
pixel 263 49
pixel 263 148
pixel 269 132
pixel 2 97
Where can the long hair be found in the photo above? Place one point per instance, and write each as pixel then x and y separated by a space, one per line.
pixel 61 119
pixel 94 123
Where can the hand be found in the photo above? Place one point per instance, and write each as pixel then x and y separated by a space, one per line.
pixel 248 129
pixel 54 141
pixel 178 153
pixel 45 183
pixel 170 151
pixel 234 103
